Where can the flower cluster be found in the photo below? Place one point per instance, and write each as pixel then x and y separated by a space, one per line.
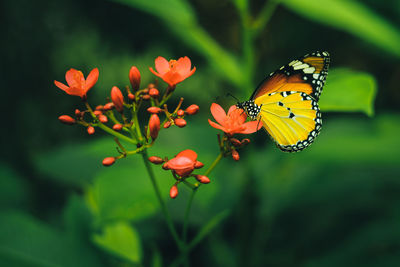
pixel 232 123
pixel 182 167
pixel 119 114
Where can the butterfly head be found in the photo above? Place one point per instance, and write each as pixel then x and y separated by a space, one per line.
pixel 252 109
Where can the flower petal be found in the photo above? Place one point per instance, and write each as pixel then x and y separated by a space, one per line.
pixel 183 66
pixel 251 127
pixel 216 126
pixel 188 154
pixel 237 115
pixel 61 85
pixel 92 78
pixel 75 78
pixel 172 78
pixel 162 65
pixel 75 91
pixel 218 113
pixel 154 72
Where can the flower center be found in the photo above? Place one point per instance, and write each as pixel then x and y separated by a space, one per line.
pixel 172 64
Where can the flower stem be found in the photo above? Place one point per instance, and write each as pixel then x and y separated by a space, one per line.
pixel 186 218
pixel 108 129
pixel 161 201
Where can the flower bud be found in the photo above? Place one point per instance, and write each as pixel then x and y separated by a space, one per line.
pixel 134 78
pixel 198 165
pixel 97 112
pixel 180 112
pixel 90 130
pixel 103 118
pixel 145 91
pixel 108 161
pixel 146 97
pixel 192 109
pixel 108 106
pixel 131 96
pixel 167 124
pixel 118 99
pixel 156 160
pixel 117 127
pixel 180 122
pixel 202 178
pixel 235 155
pixel 99 107
pixel 153 92
pixel 165 166
pixel 66 119
pixel 78 113
pixel 235 142
pixel 173 192
pixel 154 110
pixel 151 85
pixel 245 141
pixel 154 126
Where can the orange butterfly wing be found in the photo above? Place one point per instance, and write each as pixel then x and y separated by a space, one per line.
pixel 306 74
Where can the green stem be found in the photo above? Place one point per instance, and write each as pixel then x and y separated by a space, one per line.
pixel 189 205
pixel 109 130
pixel 216 161
pixel 187 212
pixel 161 201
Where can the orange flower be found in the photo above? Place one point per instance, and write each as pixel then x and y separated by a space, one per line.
pixel 174 71
pixel 234 122
pixel 77 85
pixel 184 163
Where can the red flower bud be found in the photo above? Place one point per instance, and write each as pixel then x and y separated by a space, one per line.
pixel 146 97
pixel 245 141
pixel 180 122
pixel 78 113
pixel 235 142
pixel 167 124
pixel 66 119
pixel 145 91
pixel 108 106
pixel 202 179
pixel 165 166
pixel 99 107
pixel 173 192
pixel 103 118
pixel 108 161
pixel 117 98
pixel 134 78
pixel 198 165
pixel 153 92
pixel 131 96
pixel 180 112
pixel 235 155
pixel 154 126
pixel 151 85
pixel 117 127
pixel 156 160
pixel 154 110
pixel 90 130
pixel 97 112
pixel 192 109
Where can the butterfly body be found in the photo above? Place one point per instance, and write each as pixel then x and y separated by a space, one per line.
pixel 286 102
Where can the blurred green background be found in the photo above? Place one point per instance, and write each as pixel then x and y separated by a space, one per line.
pixel 334 204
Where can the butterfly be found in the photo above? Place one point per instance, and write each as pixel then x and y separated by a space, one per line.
pixel 286 102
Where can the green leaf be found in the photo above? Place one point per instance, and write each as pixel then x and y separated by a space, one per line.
pixel 25 241
pixel 349 91
pixel 124 191
pixel 121 239
pixel 350 16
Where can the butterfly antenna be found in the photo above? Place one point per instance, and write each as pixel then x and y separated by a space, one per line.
pixel 229 94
